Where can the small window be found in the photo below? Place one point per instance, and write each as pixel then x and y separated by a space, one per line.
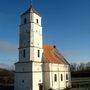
pixel 22 81
pixel 24 53
pixel 36 20
pixel 25 20
pixel 61 77
pixel 66 76
pixel 38 53
pixel 55 77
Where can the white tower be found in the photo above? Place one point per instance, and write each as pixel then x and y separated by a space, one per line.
pixel 28 75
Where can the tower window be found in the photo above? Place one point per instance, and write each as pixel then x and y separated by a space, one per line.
pixel 55 77
pixel 22 81
pixel 24 53
pixel 66 76
pixel 38 53
pixel 36 20
pixel 61 77
pixel 25 20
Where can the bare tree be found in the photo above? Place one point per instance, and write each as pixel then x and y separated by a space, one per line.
pixel 80 67
pixel 87 67
pixel 73 67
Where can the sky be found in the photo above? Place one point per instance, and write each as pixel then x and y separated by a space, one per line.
pixel 66 24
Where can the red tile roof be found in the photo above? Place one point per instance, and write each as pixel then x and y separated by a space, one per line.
pixel 52 55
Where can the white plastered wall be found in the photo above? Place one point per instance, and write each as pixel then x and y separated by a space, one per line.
pixel 37 75
pixel 59 69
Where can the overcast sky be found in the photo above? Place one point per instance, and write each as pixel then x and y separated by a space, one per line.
pixel 66 24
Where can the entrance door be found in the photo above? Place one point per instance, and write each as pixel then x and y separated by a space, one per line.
pixel 40 87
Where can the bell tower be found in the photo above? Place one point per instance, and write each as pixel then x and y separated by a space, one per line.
pixel 30 46
pixel 28 70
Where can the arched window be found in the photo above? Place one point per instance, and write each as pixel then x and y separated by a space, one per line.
pixel 36 20
pixel 38 53
pixel 25 20
pixel 55 77
pixel 61 77
pixel 66 76
pixel 24 53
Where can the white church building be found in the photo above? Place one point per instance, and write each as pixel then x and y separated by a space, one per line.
pixel 40 66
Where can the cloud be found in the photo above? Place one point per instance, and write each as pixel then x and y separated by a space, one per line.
pixel 4 66
pixel 7 47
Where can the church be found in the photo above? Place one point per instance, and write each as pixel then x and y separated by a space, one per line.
pixel 40 66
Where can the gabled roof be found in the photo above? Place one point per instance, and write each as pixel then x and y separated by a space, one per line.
pixel 52 55
pixel 31 9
